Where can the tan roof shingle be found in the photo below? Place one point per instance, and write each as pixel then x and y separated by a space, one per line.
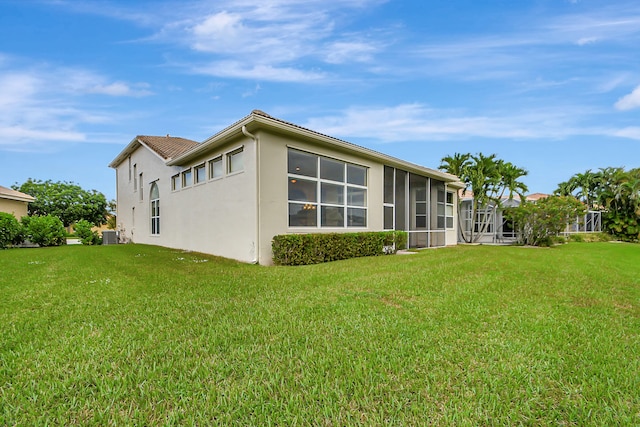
pixel 167 147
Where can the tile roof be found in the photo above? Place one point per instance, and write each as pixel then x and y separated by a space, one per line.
pixel 8 193
pixel 167 147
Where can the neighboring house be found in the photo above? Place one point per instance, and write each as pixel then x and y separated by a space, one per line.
pixel 262 177
pixel 501 230
pixel 14 202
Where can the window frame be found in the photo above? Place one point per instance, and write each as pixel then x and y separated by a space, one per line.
pixel 212 163
pixel 185 175
pixel 229 156
pixel 154 210
pixel 199 167
pixel 323 206
pixel 175 182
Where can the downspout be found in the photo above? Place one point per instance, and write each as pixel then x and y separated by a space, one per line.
pixel 248 134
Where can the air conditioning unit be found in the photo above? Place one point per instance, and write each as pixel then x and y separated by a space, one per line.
pixel 109 237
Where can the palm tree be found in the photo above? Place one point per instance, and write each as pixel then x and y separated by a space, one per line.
pixel 457 165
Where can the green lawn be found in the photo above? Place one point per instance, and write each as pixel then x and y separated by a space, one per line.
pixel 473 335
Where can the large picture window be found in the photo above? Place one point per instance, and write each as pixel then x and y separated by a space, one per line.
pixel 154 197
pixel 325 192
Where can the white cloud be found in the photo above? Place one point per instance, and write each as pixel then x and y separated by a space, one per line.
pixel 46 104
pixel 417 122
pixel 586 40
pixel 262 72
pixel 630 101
pixel 340 52
pixel 632 132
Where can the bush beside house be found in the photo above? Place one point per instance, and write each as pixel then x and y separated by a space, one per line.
pixel 303 249
pixel 10 230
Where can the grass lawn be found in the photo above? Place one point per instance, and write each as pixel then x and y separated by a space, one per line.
pixel 465 336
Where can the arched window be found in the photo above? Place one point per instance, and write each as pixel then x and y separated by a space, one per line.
pixel 154 199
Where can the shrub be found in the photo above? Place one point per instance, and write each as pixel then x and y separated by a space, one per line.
pixel 538 223
pixel 576 237
pixel 303 249
pixel 45 230
pixel 10 230
pixel 85 233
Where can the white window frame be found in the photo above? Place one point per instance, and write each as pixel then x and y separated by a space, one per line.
pixel 449 207
pixel 154 211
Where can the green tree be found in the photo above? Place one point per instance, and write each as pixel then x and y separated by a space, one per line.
pixel 44 230
pixel 10 230
pixel 85 233
pixel 615 191
pixel 65 200
pixel 537 223
pixel 490 180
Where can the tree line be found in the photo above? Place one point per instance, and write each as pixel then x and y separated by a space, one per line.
pixel 492 181
pixel 57 205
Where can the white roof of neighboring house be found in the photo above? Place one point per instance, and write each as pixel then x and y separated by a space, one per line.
pixel 8 193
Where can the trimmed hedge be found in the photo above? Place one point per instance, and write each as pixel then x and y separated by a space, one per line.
pixel 303 249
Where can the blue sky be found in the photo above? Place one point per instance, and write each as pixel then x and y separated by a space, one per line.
pixel 552 86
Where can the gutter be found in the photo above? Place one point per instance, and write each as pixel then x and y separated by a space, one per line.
pixel 248 134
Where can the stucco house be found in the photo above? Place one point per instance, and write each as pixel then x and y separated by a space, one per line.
pixel 14 202
pixel 262 176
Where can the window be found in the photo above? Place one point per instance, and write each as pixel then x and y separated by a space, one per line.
pixel 445 208
pixel 215 168
pixel 389 199
pixel 449 210
pixel 175 182
pixel 135 177
pixel 129 160
pixel 154 197
pixel 200 173
pixel 235 161
pixel 325 192
pixel 141 192
pixel 187 178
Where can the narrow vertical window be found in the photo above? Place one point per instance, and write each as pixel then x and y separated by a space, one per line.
pixel 449 210
pixel 235 161
pixel 141 191
pixel 175 182
pixel 154 197
pixel 135 177
pixel 200 173
pixel 187 178
pixel 215 168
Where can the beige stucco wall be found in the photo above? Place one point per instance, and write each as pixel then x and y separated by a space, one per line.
pixel 235 216
pixel 215 217
pixel 15 207
pixel 273 196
